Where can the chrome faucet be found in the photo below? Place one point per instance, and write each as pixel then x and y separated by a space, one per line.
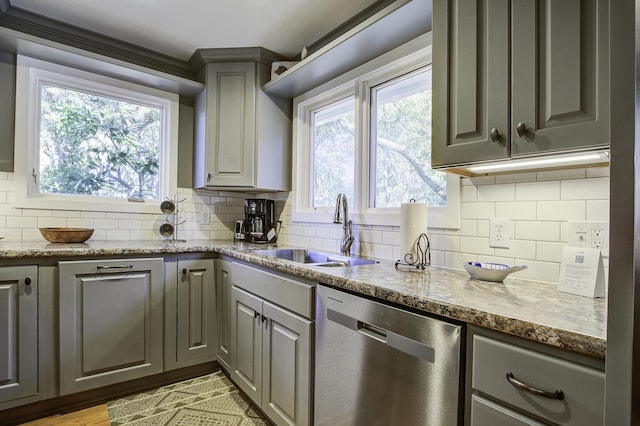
pixel 342 216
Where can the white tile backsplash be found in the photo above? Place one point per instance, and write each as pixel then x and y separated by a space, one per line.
pixel 596 189
pixel 537 191
pixel 18 224
pixel 537 231
pixel 538 204
pixel 497 192
pixel 562 210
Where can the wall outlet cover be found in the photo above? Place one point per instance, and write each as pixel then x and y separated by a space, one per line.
pixel 592 234
pixel 499 231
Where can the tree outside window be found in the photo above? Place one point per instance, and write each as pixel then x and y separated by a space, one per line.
pixel 96 145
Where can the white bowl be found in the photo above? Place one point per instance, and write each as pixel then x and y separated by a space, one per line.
pixel 495 272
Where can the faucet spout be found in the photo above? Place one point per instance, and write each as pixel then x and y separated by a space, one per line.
pixel 341 215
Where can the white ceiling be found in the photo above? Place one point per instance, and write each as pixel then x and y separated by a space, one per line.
pixel 179 27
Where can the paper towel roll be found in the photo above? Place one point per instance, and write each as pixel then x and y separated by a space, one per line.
pixel 413 222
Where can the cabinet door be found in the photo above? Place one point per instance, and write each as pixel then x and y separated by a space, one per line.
pixel 470 81
pixel 560 75
pixel 110 322
pixel 196 327
pixel 18 332
pixel 286 383
pixel 246 336
pixel 230 138
pixel 223 292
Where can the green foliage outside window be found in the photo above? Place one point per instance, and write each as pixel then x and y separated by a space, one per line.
pixel 401 163
pixel 333 153
pixel 98 146
pixel 403 149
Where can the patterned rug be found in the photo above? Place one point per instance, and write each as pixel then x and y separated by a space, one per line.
pixel 206 400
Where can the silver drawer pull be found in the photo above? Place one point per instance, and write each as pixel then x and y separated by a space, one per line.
pixel 101 267
pixel 558 394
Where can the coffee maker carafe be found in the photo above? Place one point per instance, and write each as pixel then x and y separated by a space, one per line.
pixel 259 220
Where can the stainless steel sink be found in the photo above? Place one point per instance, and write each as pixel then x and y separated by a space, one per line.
pixel 317 258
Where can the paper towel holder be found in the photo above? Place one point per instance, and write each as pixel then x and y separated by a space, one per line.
pixel 423 254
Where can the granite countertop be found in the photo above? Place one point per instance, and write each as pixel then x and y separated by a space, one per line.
pixel 528 309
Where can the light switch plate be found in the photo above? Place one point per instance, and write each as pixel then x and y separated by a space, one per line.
pixel 499 231
pixel 592 234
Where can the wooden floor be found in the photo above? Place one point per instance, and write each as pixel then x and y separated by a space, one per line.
pixel 93 416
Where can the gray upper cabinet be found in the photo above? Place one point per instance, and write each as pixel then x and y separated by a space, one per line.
pixel 518 78
pixel 18 332
pixel 7 109
pixel 110 322
pixel 242 135
pixel 470 81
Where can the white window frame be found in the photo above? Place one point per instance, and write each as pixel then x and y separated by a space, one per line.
pixel 358 82
pixel 30 74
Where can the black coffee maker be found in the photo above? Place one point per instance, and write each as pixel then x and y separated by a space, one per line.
pixel 259 221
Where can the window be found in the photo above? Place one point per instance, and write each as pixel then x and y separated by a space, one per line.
pixel 101 143
pixel 368 134
pixel 401 142
pixel 333 152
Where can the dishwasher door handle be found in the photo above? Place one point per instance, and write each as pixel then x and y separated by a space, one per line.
pixel 389 338
pixel 372 331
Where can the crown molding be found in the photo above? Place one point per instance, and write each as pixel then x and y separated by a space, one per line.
pixel 233 54
pixel 52 30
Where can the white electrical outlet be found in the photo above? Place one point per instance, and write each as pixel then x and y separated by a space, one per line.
pixel 499 230
pixel 589 234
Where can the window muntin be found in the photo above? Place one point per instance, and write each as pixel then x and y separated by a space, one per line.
pixel 96 145
pixel 333 153
pixel 400 138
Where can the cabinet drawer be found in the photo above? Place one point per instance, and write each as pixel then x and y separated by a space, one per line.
pixel 583 387
pixel 487 413
pixel 295 295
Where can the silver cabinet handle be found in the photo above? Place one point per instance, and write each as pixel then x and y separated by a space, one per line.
pixel 101 267
pixel 27 281
pixel 521 129
pixel 494 134
pixel 558 394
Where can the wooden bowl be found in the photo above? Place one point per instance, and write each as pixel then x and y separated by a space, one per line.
pixel 66 235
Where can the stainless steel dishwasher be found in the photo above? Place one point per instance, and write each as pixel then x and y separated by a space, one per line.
pixel 380 365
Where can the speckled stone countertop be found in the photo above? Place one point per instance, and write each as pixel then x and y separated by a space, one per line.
pixel 529 309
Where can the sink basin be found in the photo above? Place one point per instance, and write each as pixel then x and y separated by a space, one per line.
pixel 312 257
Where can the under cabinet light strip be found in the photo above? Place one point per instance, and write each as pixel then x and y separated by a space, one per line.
pixel 564 160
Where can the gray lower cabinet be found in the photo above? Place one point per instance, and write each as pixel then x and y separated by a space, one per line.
pixel 110 321
pixel 512 382
pixel 223 312
pixel 273 349
pixel 271 342
pixel 518 78
pixel 195 320
pixel 18 332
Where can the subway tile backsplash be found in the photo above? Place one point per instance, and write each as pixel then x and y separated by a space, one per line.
pixel 538 205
